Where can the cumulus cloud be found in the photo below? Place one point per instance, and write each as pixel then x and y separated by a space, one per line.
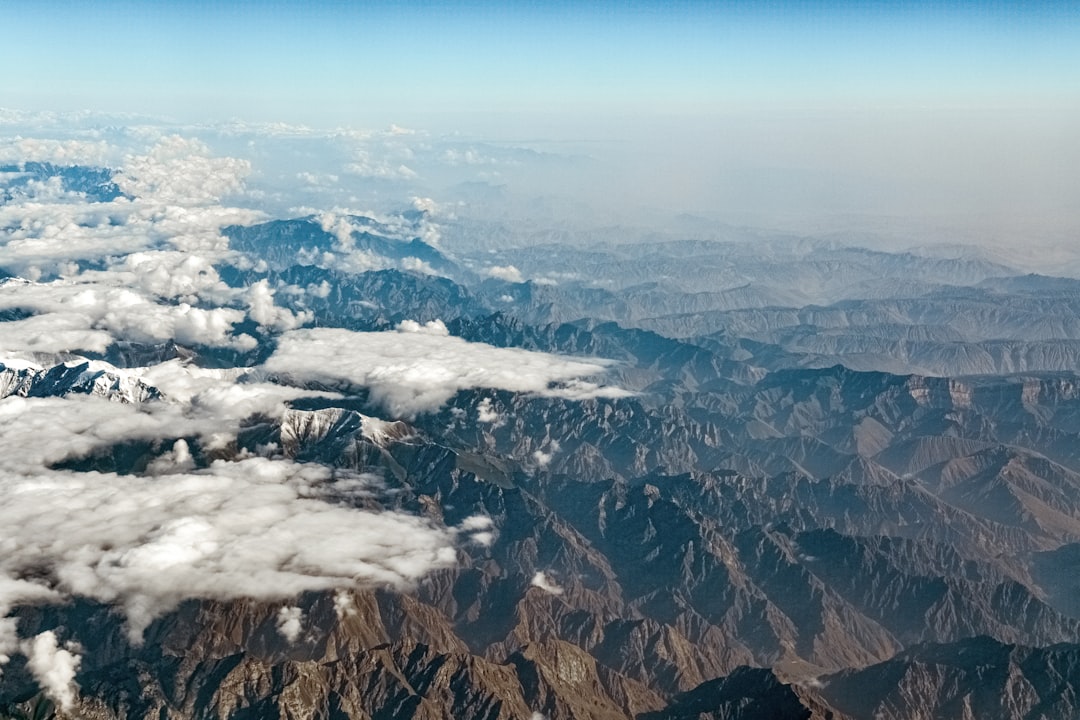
pixel 261 309
pixel 364 165
pixel 485 413
pixel 340 226
pixel 290 623
pixel 426 205
pixel 431 327
pixel 206 402
pixel 37 233
pixel 181 171
pixel 409 372
pixel 543 459
pixel 175 187
pixel 167 274
pixel 252 528
pixel 13 591
pixel 52 334
pixel 509 273
pixel 480 529
pixel 9 634
pixel 346 255
pixel 53 667
pixel 343 604
pixel 45 235
pixel 417 265
pixel 476 522
pixel 179 459
pixel 256 527
pixel 209 404
pixel 322 290
pixel 87 313
pixel 43 191
pixel 58 152
pixel 542 581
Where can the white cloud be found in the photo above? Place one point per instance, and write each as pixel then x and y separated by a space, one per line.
pixel 431 327
pixel 9 632
pixel 290 623
pixel 509 273
pixel 58 152
pixel 343 604
pixel 356 261
pixel 50 190
pixel 181 171
pixel 480 529
pixel 36 233
pixel 167 274
pixel 54 668
pixel 542 581
pixel 53 334
pixel 543 459
pixel 484 538
pixel 206 403
pixel 476 522
pixel 418 265
pixel 175 191
pixel 485 413
pixel 261 309
pixel 250 528
pixel 322 290
pixel 254 528
pixel 364 166
pixel 340 226
pixel 11 591
pixel 179 459
pixel 413 372
pixel 467 156
pixel 346 256
pixel 426 205
pixel 84 313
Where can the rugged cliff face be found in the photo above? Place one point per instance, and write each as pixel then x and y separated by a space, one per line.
pixel 975 678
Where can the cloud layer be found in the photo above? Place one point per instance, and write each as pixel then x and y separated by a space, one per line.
pixel 254 527
pixel 419 368
pixel 91 274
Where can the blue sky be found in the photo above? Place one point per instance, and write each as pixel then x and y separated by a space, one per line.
pixel 760 110
pixel 333 62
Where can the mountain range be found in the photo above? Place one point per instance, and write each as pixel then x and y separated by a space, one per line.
pixel 816 481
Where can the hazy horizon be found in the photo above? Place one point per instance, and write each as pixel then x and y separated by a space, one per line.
pixel 957 119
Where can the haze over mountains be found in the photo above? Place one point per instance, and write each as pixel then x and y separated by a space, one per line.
pixel 262 458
